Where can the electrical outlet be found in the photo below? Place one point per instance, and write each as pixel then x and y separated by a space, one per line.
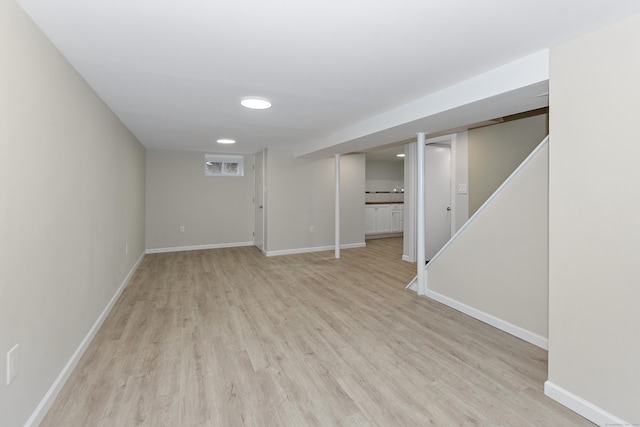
pixel 12 364
pixel 182 228
pixel 312 229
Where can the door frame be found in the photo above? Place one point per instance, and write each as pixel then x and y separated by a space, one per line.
pixel 411 193
pixel 450 202
pixel 256 217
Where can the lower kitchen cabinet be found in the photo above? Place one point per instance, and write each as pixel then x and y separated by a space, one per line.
pixel 383 218
pixel 397 218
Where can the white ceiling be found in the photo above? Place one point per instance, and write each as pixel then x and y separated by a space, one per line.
pixel 175 71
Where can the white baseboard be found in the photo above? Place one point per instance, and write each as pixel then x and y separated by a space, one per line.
pixel 413 284
pixel 382 236
pixel 407 258
pixel 41 410
pixel 577 404
pixel 496 322
pixel 197 247
pixel 315 249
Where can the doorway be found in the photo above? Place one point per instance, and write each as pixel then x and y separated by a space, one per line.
pixel 451 162
pixel 384 193
pixel 259 201
pixel 438 209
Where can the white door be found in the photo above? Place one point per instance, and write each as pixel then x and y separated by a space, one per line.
pixel 369 219
pixel 258 199
pixel 397 219
pixel 383 219
pixel 437 170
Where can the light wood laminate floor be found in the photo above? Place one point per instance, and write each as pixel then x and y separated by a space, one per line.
pixel 228 337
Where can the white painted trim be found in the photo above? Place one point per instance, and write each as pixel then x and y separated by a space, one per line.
pixel 381 236
pixel 420 218
pixel 577 404
pixel 449 140
pixel 45 404
pixel 489 319
pixel 491 198
pixel 410 202
pixel 197 247
pixel 315 249
pixel 337 208
pixel 527 72
pixel 453 184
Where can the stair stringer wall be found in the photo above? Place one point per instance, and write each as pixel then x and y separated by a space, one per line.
pixel 496 267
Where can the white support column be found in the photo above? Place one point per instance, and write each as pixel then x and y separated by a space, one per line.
pixel 410 203
pixel 337 228
pixel 422 290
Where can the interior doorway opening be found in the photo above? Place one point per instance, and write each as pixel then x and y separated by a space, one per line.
pixel 384 193
pixel 446 204
pixel 438 206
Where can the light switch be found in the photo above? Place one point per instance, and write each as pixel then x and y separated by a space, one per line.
pixel 462 189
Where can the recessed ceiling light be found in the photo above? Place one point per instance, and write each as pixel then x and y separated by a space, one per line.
pixel 256 103
pixel 226 141
pixel 400 155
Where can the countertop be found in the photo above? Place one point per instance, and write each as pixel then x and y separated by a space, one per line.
pixel 384 203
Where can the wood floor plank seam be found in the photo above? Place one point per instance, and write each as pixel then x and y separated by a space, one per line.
pixel 229 337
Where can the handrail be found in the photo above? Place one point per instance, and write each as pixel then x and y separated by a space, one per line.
pixel 495 194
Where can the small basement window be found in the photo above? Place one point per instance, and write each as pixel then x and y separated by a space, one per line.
pixel 223 165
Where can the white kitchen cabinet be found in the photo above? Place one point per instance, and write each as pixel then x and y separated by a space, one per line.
pixel 370 219
pixel 383 218
pixel 377 219
pixel 397 218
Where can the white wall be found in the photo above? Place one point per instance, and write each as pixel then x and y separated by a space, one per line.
pixel 218 211
pixel 300 194
pixel 384 175
pixel 409 243
pixel 496 151
pixel 460 159
pixel 214 210
pixel 71 201
pixel 594 220
pixel 516 85
pixel 496 267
